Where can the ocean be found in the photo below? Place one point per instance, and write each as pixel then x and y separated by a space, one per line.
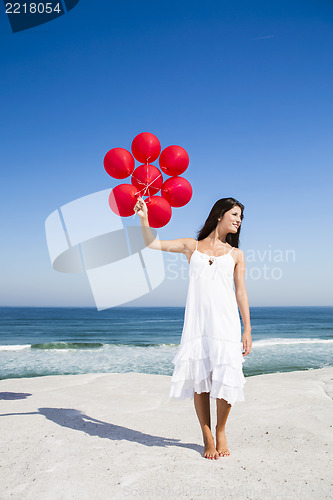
pixel 58 341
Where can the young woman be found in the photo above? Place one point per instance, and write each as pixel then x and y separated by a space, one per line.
pixel 209 361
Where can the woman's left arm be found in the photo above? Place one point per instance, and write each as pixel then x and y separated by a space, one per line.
pixel 242 301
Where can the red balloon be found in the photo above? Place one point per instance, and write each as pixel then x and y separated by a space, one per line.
pixel 146 147
pixel 177 190
pixel 122 199
pixel 159 211
pixel 174 160
pixel 148 179
pixel 119 163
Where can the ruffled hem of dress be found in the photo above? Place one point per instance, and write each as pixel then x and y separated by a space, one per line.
pixel 194 375
pixel 185 389
pixel 207 364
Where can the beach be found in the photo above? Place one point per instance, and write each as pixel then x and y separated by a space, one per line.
pixel 119 435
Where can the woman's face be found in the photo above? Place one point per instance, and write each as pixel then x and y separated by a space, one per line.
pixel 231 220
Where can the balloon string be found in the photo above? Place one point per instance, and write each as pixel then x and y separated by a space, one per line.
pixel 146 186
pixel 147 169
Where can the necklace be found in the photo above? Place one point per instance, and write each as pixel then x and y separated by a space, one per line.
pixel 211 260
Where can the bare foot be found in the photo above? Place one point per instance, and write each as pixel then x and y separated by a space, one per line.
pixel 221 443
pixel 210 450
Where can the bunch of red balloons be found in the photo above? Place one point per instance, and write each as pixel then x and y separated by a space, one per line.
pixel 147 179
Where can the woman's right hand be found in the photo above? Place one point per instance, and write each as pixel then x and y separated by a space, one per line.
pixel 141 208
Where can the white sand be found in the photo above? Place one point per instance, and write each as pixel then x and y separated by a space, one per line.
pixel 103 436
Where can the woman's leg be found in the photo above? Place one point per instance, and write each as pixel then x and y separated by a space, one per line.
pixel 222 409
pixel 202 407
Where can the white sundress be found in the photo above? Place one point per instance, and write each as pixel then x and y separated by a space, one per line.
pixel 209 358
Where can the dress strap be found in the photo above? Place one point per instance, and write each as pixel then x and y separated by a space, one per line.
pixel 231 250
pixel 196 246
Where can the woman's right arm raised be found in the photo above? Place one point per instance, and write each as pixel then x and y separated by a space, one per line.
pixel 181 245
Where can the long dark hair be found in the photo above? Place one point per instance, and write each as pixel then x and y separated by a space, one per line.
pixel 218 210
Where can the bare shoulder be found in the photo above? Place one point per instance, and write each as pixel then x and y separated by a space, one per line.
pixel 239 256
pixel 189 246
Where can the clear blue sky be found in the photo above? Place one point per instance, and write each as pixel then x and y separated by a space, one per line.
pixel 244 86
